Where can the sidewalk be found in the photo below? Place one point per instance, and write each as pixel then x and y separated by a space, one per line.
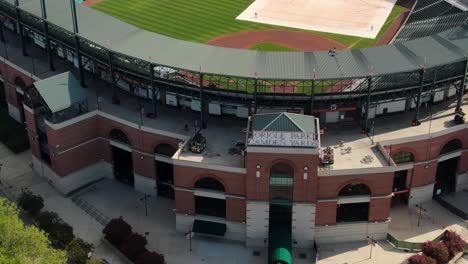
pixel 433 222
pixel 110 199
pixel 16 174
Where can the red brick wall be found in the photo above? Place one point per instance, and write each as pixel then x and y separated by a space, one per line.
pixel 379 184
pixel 463 163
pixel 140 140
pixel 429 149
pixel 32 133
pixel 422 176
pixel 258 188
pixel 234 183
pixel 184 202
pixel 235 209
pixel 325 213
pixel 9 75
pixel 379 209
pixel 78 158
pixel 73 134
pixel 144 167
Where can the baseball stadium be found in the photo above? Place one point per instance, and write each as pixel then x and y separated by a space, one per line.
pixel 285 125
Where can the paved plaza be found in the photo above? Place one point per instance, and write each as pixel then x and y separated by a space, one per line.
pixel 434 220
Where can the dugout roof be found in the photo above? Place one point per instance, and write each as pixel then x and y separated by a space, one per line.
pixel 443 48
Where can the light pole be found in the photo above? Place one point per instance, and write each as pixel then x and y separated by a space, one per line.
pixel 421 209
pixel 144 199
pixel 372 243
pixel 189 236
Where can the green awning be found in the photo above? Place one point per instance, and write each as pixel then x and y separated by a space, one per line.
pixel 209 228
pixel 282 256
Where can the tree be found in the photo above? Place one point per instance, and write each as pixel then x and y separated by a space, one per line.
pixel 421 259
pixel 453 242
pixel 134 245
pixel 77 251
pixel 150 258
pixel 116 231
pixel 30 202
pixel 436 250
pixel 24 244
pixel 46 220
pixel 60 235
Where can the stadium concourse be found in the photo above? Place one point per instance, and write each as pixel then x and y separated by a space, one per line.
pixel 279 172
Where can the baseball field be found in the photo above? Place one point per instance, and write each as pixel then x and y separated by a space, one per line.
pixel 203 21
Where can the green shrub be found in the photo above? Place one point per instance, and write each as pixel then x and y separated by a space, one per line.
pixel 77 251
pixel 60 235
pixel 30 202
pixel 46 220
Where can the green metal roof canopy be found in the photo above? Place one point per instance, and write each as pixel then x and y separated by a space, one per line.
pixel 447 47
pixel 283 122
pixel 61 91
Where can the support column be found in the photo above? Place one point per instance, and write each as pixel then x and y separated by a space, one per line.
pixel 115 97
pixel 255 96
pixel 46 33
pixel 369 89
pixel 2 34
pixel 462 88
pixel 418 100
pixel 20 29
pixel 312 98
pixel 77 43
pixel 202 103
pixel 153 92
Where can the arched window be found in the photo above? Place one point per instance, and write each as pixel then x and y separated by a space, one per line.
pixel 19 82
pixel 211 184
pixel 118 135
pixel 355 189
pixel 451 146
pixel 165 150
pixel 281 182
pixel 403 157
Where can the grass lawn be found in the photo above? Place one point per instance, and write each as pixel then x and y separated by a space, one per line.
pixel 267 46
pixel 202 20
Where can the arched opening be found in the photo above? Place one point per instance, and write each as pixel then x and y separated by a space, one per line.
pixel 165 149
pixel 451 146
pixel 446 175
pixel 353 210
pixel 122 158
pixel 280 216
pixel 403 157
pixel 164 170
pixel 119 136
pixel 353 189
pixel 19 83
pixel 209 197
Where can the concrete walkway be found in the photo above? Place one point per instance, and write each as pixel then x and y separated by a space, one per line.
pixel 433 222
pixel 16 174
pixel 110 199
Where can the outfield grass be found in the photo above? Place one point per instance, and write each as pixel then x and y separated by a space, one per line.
pixel 202 20
pixel 267 46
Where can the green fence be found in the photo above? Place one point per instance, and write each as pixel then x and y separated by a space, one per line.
pixel 411 246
